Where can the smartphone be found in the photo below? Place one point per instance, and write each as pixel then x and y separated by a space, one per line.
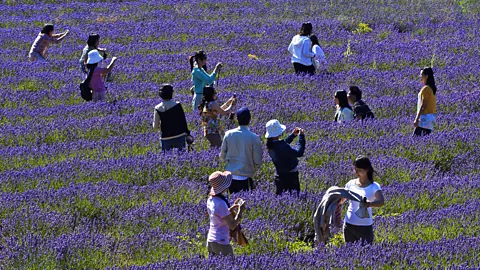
pixel 240 202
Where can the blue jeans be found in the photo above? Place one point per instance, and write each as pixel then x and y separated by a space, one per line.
pixel 178 143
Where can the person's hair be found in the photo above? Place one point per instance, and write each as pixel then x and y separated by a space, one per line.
pixel 208 95
pixel 306 29
pixel 92 66
pixel 47 28
pixel 200 55
pixel 269 143
pixel 428 71
pixel 314 40
pixel 166 92
pixel 341 95
pixel 244 121
pixel 354 90
pixel 92 40
pixel 363 162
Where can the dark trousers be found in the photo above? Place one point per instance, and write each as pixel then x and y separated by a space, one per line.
pixel 302 69
pixel 241 185
pixel 354 233
pixel 214 139
pixel 178 143
pixel 287 182
pixel 421 131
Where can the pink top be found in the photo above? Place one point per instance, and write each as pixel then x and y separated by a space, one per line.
pixel 219 231
pixel 96 83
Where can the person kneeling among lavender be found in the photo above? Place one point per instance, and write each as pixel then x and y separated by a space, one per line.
pixel 223 218
pixel 169 117
pixel 284 157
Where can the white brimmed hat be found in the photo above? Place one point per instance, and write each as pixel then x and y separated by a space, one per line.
pixel 274 129
pixel 94 57
pixel 219 181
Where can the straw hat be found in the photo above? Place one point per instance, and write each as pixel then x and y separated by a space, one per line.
pixel 274 129
pixel 94 57
pixel 219 181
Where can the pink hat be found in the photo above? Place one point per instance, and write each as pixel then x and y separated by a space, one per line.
pixel 220 181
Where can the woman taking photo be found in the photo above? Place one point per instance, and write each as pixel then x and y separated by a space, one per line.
pixel 301 50
pixel 220 213
pixel 47 36
pixel 200 77
pixel 427 104
pixel 284 157
pixel 344 111
pixel 210 110
pixel 356 228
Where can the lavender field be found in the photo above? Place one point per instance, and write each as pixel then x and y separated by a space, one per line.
pixel 85 185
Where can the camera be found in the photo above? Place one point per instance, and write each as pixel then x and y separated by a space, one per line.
pixel 189 140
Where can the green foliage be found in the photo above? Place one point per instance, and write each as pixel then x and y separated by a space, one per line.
pixel 362 28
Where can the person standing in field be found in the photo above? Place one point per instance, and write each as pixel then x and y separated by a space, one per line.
pixel 426 105
pixel 242 151
pixel 284 157
pixel 200 77
pixel 221 215
pixel 210 110
pixel 357 228
pixel 320 61
pixel 92 44
pixel 47 36
pixel 361 111
pixel 169 118
pixel 301 50
pixel 344 112
pixel 97 74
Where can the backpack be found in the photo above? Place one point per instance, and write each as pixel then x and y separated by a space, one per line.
pixel 85 90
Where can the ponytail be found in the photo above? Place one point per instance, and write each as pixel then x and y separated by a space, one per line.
pixel 191 60
pixel 200 55
pixel 208 94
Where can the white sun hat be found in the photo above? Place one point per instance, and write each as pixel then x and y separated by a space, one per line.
pixel 94 57
pixel 274 129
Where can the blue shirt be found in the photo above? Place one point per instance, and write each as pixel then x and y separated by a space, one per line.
pixel 284 157
pixel 200 78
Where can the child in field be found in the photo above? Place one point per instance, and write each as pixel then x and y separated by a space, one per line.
pixel 320 61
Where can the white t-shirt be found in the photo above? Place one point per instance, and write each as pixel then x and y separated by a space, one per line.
pixel 368 192
pixel 319 54
pixel 344 115
pixel 219 231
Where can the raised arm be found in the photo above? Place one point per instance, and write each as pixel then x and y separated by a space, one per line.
pixel 204 76
pixel 306 50
pixel 110 66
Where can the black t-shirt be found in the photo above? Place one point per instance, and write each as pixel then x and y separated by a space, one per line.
pixel 362 109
